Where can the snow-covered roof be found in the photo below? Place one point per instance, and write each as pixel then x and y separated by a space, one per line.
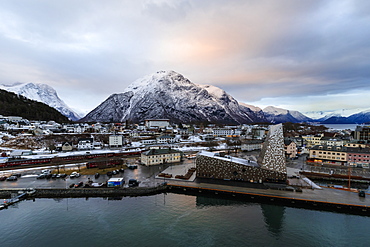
pixel 230 159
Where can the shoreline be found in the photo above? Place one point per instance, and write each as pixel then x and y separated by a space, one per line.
pixel 305 199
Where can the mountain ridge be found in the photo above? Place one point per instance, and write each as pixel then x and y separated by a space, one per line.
pixel 41 93
pixel 168 94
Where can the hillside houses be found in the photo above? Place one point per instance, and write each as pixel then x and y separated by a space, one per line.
pixel 246 138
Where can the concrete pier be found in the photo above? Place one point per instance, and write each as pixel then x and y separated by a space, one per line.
pixel 87 192
pixel 325 199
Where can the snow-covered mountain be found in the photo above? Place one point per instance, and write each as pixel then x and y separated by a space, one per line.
pixel 359 118
pixel 279 115
pixel 42 93
pixel 167 94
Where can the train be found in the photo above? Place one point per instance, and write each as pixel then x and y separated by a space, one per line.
pixel 49 160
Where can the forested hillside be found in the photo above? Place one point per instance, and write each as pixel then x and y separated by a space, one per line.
pixel 15 105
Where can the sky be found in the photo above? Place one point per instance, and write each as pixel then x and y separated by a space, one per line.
pixel 306 55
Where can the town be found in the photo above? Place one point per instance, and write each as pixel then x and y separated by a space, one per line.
pixel 322 145
pixel 288 157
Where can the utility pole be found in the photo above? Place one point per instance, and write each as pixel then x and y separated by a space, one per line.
pixel 349 176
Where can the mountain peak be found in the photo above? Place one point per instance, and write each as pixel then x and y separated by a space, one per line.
pixel 168 94
pixel 41 93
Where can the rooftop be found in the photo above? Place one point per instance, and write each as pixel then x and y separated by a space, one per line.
pixel 155 151
pixel 229 158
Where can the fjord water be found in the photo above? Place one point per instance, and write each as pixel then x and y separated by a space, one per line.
pixel 175 220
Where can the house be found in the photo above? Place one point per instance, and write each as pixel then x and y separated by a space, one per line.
pixel 67 147
pixel 290 149
pixel 165 139
pixel 148 141
pixel 85 144
pixel 160 156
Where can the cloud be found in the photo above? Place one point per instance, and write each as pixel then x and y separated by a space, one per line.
pixel 255 50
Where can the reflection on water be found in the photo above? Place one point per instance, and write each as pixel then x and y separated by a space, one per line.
pixel 174 220
pixel 274 218
pixel 202 201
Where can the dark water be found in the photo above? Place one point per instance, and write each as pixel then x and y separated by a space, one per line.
pixel 175 220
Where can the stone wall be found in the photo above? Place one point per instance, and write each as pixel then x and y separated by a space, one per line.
pixel 208 167
pixel 89 192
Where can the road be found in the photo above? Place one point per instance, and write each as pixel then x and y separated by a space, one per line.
pixel 144 174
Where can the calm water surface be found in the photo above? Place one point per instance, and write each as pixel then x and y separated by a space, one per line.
pixel 175 220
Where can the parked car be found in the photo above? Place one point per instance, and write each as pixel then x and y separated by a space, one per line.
pixel 132 167
pixel 109 174
pixel 3 178
pixel 133 182
pixel 41 176
pixel 71 185
pixel 80 184
pixel 46 171
pixel 74 175
pixel 12 178
pixel 62 175
pixel 96 184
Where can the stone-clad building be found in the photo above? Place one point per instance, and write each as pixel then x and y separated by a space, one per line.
pixel 270 168
pixel 272 156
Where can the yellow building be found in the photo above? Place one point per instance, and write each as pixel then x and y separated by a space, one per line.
pixel 160 156
pixel 329 154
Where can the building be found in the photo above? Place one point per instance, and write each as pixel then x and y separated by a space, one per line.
pixel 272 156
pixel 313 140
pixel 85 144
pixel 359 156
pixel 329 141
pixel 290 149
pixel 336 155
pixel 157 123
pixel 165 139
pixel 148 141
pixel 115 141
pixel 160 156
pixel 67 146
pixel 271 166
pixel 222 132
pixel 251 145
pixel 362 133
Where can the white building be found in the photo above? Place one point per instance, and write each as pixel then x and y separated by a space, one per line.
pixel 157 123
pixel 165 139
pixel 115 141
pixel 223 132
pixel 251 145
pixel 85 144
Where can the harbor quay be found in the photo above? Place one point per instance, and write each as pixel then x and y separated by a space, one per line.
pixel 327 199
pixel 84 192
